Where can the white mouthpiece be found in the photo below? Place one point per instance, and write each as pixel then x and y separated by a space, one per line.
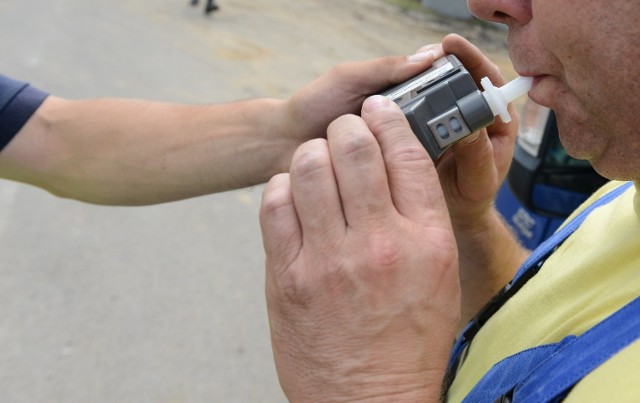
pixel 499 98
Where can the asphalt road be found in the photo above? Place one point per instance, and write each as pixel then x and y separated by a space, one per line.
pixel 163 303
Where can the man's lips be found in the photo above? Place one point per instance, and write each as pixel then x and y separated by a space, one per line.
pixel 537 92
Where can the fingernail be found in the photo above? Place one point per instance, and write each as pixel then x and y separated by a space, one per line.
pixel 421 56
pixel 375 103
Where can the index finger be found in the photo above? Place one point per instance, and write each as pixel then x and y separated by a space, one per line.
pixel 473 59
pixel 413 180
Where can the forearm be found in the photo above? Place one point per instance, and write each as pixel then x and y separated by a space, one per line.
pixel 114 151
pixel 489 257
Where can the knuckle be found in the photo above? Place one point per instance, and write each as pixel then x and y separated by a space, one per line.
pixel 310 162
pixel 301 287
pixel 356 144
pixel 409 153
pixel 276 195
pixel 389 119
pixel 384 251
pixel 351 138
pixel 273 202
pixel 293 288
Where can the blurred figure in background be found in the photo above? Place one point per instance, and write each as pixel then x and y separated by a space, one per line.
pixel 211 6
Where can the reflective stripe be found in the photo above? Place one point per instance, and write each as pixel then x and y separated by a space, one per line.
pixel 528 269
pixel 547 373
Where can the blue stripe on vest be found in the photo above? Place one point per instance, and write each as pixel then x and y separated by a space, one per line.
pixel 547 373
pixel 533 262
pixel 513 371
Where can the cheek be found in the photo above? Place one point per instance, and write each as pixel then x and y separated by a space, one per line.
pixel 607 141
pixel 571 29
pixel 578 140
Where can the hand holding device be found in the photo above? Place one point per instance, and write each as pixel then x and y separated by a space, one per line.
pixel 443 105
pixel 361 283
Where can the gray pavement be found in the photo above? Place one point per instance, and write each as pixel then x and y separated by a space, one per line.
pixel 162 303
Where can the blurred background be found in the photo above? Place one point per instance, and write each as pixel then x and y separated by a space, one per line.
pixel 165 303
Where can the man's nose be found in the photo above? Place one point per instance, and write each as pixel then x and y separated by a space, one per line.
pixel 508 12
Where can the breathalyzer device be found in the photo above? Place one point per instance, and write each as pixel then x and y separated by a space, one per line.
pixel 444 105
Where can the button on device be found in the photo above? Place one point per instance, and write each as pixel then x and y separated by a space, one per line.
pixel 447 128
pixel 455 125
pixel 443 132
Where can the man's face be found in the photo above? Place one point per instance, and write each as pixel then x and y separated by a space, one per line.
pixel 585 57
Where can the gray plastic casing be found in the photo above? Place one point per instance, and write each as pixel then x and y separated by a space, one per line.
pixel 443 105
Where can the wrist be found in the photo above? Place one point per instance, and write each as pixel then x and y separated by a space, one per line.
pixel 403 372
pixel 422 387
pixel 284 131
pixel 489 256
pixel 426 387
pixel 477 224
pixel 486 243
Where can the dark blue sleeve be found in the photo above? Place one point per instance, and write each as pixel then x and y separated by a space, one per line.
pixel 18 101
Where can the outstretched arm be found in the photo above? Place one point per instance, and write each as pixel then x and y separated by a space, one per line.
pixel 133 152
